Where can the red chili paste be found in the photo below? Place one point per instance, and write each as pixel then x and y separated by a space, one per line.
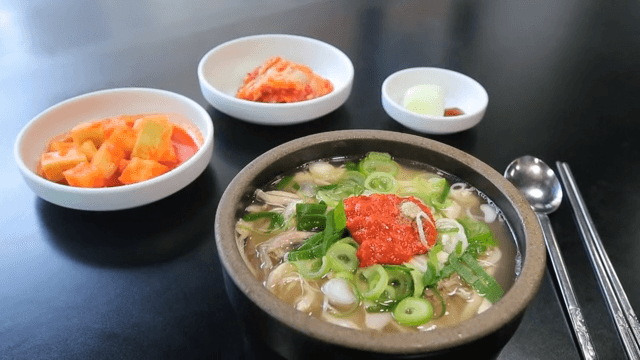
pixel 385 235
pixel 453 112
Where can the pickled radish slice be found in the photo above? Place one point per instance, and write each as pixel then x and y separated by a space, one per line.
pixel 425 100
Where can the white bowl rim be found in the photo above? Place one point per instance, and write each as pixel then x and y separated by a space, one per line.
pixel 33 176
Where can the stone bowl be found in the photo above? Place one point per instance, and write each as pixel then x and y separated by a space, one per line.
pixel 293 334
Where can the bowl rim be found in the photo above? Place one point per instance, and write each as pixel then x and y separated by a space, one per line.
pixel 336 93
pixel 509 308
pixel 33 177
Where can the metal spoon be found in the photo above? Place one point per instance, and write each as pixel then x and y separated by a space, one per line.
pixel 540 186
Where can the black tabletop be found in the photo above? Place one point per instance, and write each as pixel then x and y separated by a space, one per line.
pixel 562 78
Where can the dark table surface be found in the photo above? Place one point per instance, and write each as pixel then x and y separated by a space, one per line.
pixel 562 78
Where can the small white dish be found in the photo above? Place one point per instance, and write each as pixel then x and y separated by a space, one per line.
pixel 222 70
pixel 461 91
pixel 60 118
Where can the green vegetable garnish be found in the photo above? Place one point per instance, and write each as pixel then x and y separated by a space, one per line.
pixel 339 216
pixel 400 280
pixel 276 219
pixel 413 311
pixel 343 257
pixel 472 273
pixel 284 182
pixel 479 236
pixel 372 281
pixel 378 162
pixel 311 216
pixel 314 268
pixel 380 182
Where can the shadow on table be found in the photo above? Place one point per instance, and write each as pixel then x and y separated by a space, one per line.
pixel 134 237
pixel 241 141
pixel 464 140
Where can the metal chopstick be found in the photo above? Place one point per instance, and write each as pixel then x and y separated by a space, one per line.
pixel 618 304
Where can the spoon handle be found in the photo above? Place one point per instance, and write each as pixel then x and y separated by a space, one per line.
pixel 618 304
pixel 568 295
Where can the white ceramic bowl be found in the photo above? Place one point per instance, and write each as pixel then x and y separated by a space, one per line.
pixel 222 70
pixel 461 91
pixel 60 118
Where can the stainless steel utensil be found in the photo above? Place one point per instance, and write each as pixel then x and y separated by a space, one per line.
pixel 623 315
pixel 539 184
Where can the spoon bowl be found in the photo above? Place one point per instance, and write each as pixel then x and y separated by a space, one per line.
pixel 537 182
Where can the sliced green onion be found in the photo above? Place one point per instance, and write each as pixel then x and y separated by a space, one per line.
pixel 389 293
pixel 382 306
pixel 349 276
pixel 433 255
pixel 311 241
pixel 413 311
pixel 479 235
pixel 307 209
pixel 312 252
pixel 343 257
pixel 418 283
pixel 313 269
pixel 351 166
pixel 329 241
pixel 459 250
pixel 318 244
pixel 311 217
pixel 350 184
pixel 310 249
pixel 276 219
pixel 354 177
pixel 378 162
pixel 431 276
pixel 311 222
pixel 446 271
pixel 448 230
pixel 329 197
pixel 329 231
pixel 380 182
pixel 328 187
pixel 339 216
pixel 284 182
pixel 477 277
pixel 371 281
pixel 445 192
pixel 443 304
pixel 494 291
pixel 465 273
pixel 400 281
pixel 376 155
pixel 349 241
